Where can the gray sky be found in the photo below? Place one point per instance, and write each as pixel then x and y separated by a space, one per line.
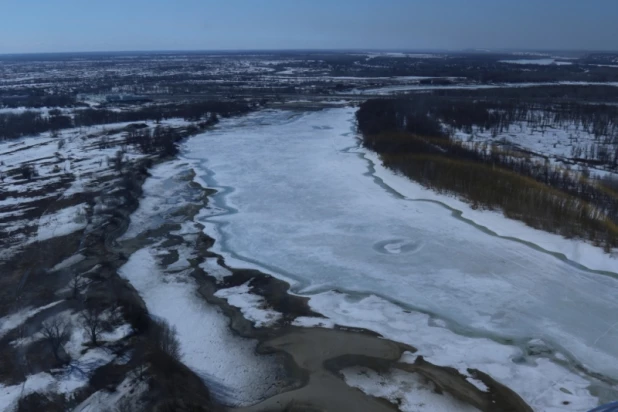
pixel 78 25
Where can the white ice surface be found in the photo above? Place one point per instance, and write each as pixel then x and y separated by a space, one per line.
pixel 406 390
pixel 306 209
pixel 544 384
pixel 578 251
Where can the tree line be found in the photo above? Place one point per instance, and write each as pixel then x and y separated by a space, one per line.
pixel 413 141
pixel 34 99
pixel 593 128
pixel 15 125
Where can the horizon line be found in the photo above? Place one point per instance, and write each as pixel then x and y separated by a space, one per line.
pixel 340 50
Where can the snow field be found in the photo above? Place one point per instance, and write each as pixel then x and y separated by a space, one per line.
pixel 208 346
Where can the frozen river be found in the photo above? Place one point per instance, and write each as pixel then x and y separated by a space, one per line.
pixel 299 200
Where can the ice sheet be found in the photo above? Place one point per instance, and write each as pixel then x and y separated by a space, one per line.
pixel 303 204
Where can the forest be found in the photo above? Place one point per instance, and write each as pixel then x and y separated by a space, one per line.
pixel 413 136
pixel 15 125
pixel 593 136
pixel 35 99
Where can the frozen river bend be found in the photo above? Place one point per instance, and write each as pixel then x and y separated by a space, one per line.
pixel 300 200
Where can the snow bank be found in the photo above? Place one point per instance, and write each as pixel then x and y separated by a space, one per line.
pixel 410 392
pixel 540 62
pixel 161 193
pixel 16 319
pixel 252 306
pixel 309 322
pixel 207 345
pixel 127 393
pixel 9 395
pixel 62 222
pixel 68 262
pixel 212 268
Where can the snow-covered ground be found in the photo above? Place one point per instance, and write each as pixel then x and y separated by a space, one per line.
pixel 298 199
pixel 63 222
pixel 408 391
pixel 387 90
pixel 301 201
pixel 70 163
pixel 544 381
pixel 225 361
pixel 38 383
pixel 126 396
pixel 549 141
pixel 207 344
pixel 16 319
pixel 558 142
pixel 540 62
pixel 73 376
pixel 252 306
pixel 70 169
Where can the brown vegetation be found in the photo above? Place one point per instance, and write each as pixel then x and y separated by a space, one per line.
pixel 543 196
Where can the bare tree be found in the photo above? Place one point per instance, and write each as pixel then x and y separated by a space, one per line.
pixel 56 332
pixel 75 285
pixel 140 360
pixel 125 405
pixel 163 337
pixel 118 160
pixel 27 172
pixel 92 323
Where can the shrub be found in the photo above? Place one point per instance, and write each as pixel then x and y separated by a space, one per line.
pixel 27 172
pixel 163 336
pixel 56 332
pixel 39 402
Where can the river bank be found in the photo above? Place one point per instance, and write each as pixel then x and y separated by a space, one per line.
pixel 296 273
pixel 430 278
pixel 234 345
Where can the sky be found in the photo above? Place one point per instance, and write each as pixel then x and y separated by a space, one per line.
pixel 30 26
